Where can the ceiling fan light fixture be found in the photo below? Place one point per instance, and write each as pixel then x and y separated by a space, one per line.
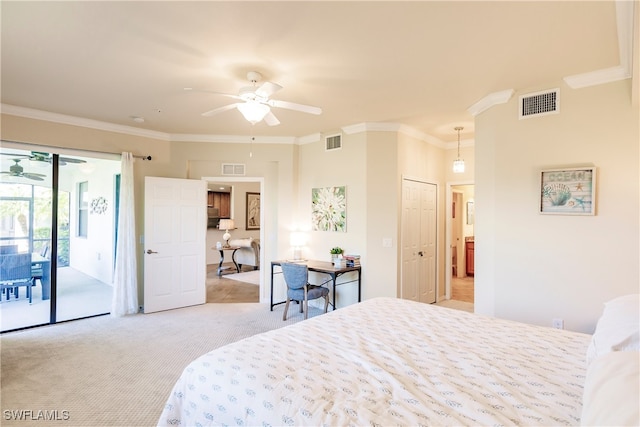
pixel 253 111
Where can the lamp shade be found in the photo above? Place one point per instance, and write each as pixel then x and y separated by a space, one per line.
pixel 226 224
pixel 253 111
pixel 298 239
pixel 458 166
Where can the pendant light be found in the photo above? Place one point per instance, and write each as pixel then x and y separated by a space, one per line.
pixel 458 164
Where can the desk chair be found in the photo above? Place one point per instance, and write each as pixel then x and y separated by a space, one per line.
pixel 296 277
pixel 15 271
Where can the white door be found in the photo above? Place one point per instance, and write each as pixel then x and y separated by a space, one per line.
pixel 175 230
pixel 419 274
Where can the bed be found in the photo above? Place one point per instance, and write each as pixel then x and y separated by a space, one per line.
pixel 385 362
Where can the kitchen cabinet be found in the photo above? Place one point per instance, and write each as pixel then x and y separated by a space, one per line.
pixel 469 254
pixel 222 201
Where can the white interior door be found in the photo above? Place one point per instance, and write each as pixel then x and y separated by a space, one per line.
pixel 419 252
pixel 175 230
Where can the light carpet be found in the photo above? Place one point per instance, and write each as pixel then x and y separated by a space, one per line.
pixel 252 276
pixel 107 371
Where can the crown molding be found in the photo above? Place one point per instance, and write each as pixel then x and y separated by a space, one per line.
pixel 625 26
pixel 235 139
pixel 309 139
pixel 47 116
pixel 597 77
pixel 394 127
pixel 490 100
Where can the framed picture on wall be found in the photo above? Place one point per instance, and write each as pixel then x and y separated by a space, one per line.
pixel 253 211
pixel 570 191
pixel 329 209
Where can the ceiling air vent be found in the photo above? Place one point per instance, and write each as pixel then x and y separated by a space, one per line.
pixel 333 142
pixel 235 169
pixel 539 104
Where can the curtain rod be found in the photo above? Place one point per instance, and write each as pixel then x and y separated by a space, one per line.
pixel 75 149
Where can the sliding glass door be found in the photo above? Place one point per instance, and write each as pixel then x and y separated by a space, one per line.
pixel 73 250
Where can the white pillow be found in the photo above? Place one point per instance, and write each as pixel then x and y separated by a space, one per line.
pixel 618 328
pixel 612 391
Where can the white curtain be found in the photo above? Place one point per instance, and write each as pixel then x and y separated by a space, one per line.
pixel 125 283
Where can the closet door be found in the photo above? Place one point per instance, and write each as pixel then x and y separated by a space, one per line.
pixel 419 241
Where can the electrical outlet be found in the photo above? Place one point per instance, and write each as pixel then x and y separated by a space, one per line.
pixel 387 242
pixel 558 323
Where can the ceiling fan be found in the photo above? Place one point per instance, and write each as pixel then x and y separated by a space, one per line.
pixel 40 156
pixel 256 104
pixel 18 171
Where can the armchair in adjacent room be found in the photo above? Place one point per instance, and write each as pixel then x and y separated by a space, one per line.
pixel 249 252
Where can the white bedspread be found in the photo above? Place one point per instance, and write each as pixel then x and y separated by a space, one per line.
pixel 387 362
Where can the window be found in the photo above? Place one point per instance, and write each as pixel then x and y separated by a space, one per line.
pixel 83 208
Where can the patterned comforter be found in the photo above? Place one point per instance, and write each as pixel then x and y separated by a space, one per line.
pixel 387 362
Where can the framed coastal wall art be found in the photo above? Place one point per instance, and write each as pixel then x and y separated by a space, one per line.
pixel 569 191
pixel 329 209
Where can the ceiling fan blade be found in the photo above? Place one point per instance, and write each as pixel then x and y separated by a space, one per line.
pixel 271 120
pixel 293 106
pixel 24 156
pixel 219 110
pixel 34 176
pixel 267 89
pixel 230 95
pixel 70 160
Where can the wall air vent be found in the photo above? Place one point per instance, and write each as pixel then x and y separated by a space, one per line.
pixel 333 142
pixel 539 104
pixel 234 169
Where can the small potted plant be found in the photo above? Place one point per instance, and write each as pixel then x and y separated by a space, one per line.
pixel 336 252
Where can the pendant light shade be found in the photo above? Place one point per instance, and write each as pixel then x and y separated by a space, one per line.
pixel 458 164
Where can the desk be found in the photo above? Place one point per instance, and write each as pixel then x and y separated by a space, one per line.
pixel 233 258
pixel 36 259
pixel 325 268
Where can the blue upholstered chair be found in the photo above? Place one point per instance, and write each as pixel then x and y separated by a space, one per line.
pixel 296 277
pixel 15 271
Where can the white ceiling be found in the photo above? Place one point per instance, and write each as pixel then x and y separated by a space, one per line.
pixel 421 63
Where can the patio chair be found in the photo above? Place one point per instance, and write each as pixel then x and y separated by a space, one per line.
pixel 15 271
pixel 37 269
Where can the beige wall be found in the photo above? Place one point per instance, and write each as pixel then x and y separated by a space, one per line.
pixel 532 267
pixel 421 161
pixel 319 168
pixel 529 267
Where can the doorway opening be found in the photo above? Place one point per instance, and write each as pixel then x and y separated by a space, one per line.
pixel 460 242
pixel 237 276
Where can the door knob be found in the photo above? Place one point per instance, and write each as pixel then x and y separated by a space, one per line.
pixel 149 251
pixel 421 253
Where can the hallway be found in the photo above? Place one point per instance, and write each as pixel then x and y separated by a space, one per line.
pixel 462 289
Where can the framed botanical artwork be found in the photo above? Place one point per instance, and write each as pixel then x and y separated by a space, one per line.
pixel 253 211
pixel 569 191
pixel 329 209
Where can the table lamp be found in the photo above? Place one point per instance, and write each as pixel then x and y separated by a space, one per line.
pixel 297 240
pixel 226 224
